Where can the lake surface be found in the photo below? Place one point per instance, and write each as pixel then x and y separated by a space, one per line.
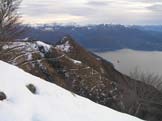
pixel 127 60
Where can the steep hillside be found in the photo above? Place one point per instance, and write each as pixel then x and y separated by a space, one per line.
pixel 70 66
pixel 48 103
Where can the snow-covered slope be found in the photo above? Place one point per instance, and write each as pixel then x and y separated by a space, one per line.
pixel 50 103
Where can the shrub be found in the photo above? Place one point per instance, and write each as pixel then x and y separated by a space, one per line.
pixel 149 78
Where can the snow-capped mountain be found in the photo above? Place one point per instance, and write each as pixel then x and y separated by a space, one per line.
pixel 104 37
pixel 48 103
pixel 70 66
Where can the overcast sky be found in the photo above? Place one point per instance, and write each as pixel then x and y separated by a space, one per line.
pixel 92 11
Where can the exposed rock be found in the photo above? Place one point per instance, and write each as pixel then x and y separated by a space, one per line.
pixel 2 96
pixel 32 88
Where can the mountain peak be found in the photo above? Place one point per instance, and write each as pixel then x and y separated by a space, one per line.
pixel 64 45
pixel 64 40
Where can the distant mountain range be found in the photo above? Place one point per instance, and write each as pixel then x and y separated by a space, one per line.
pixel 103 37
pixel 155 28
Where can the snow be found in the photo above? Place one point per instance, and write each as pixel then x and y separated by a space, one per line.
pixel 75 61
pixel 29 56
pixel 46 46
pixel 50 103
pixel 48 29
pixel 13 45
pixel 29 46
pixel 64 47
pixel 27 49
pixel 25 39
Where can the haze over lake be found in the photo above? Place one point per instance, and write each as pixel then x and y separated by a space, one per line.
pixel 127 60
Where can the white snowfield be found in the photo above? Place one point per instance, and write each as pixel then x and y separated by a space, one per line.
pixel 64 47
pixel 50 103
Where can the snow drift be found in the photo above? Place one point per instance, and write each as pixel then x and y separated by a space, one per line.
pixel 50 103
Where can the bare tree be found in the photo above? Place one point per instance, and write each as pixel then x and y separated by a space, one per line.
pixel 10 28
pixel 146 97
pixel 148 78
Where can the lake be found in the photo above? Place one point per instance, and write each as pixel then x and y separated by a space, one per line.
pixel 127 60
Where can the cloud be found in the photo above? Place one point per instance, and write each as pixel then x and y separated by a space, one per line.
pixel 150 1
pixel 145 1
pixel 56 8
pixel 84 11
pixel 92 11
pixel 98 3
pixel 156 8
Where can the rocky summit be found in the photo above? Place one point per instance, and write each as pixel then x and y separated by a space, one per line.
pixel 70 66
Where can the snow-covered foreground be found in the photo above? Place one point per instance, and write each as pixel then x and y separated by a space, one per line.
pixel 50 103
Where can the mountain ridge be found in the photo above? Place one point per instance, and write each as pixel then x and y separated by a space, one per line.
pixel 70 66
